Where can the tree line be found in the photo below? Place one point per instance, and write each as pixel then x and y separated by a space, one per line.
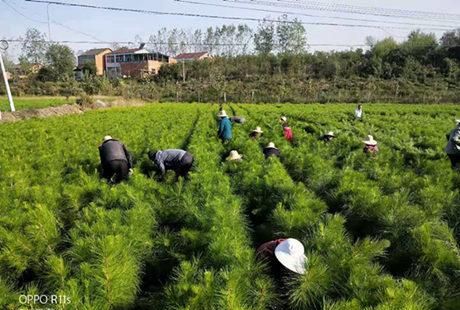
pixel 267 64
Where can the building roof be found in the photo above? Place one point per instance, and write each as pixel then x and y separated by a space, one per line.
pixel 95 51
pixel 191 55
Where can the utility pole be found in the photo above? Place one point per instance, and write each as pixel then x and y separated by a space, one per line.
pixel 183 71
pixel 4 47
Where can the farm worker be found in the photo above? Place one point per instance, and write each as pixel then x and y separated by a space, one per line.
pixel 370 145
pixel 116 161
pixel 271 150
pixel 283 255
pixel 225 127
pixel 177 160
pixel 453 146
pixel 256 133
pixel 234 156
pixel 283 120
pixel 359 112
pixel 287 132
pixel 329 136
pixel 238 119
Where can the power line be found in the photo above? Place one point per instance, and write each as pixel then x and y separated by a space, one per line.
pixel 344 8
pixel 448 27
pixel 132 10
pixel 44 22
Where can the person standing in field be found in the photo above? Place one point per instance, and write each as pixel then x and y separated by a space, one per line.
pixel 225 127
pixel 328 137
pixel 238 119
pixel 370 145
pixel 177 160
pixel 271 150
pixel 453 146
pixel 116 160
pixel 256 133
pixel 359 112
pixel 283 256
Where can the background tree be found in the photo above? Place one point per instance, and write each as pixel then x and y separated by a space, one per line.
pixel 60 62
pixel 291 36
pixel 34 47
pixel 264 38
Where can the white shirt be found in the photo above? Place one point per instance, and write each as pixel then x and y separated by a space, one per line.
pixel 358 113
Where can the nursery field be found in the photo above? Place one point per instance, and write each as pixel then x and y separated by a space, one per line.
pixel 379 232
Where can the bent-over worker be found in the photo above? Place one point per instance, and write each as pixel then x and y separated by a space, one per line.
pixel 328 137
pixel 238 119
pixel 256 133
pixel 116 161
pixel 177 160
pixel 271 150
pixel 370 145
pixel 453 146
pixel 225 127
pixel 283 255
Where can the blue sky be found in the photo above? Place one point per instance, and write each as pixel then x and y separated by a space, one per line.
pixel 122 26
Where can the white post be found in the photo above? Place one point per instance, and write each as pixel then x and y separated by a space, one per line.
pixel 7 85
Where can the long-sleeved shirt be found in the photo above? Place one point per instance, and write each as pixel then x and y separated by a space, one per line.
pixel 453 146
pixel 168 159
pixel 114 150
pixel 225 129
pixel 267 250
pixel 270 151
pixel 238 119
pixel 358 113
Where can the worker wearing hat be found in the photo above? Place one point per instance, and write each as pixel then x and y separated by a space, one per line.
pixel 116 160
pixel 234 156
pixel 271 150
pixel 177 160
pixel 283 255
pixel 328 137
pixel 225 127
pixel 453 146
pixel 370 145
pixel 256 133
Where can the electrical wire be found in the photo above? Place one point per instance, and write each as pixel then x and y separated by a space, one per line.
pixel 142 11
pixel 448 27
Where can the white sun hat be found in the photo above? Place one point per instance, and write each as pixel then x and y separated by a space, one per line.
pixel 291 254
pixel 370 140
pixel 222 114
pixel 283 118
pixel 330 134
pixel 234 155
pixel 457 121
pixel 271 145
pixel 106 138
pixel 258 130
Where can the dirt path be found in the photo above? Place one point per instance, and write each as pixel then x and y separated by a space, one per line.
pixel 65 109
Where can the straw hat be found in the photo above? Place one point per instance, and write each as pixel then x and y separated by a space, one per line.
pixel 291 254
pixel 330 134
pixel 258 130
pixel 271 145
pixel 283 118
pixel 222 114
pixel 370 140
pixel 106 138
pixel 234 155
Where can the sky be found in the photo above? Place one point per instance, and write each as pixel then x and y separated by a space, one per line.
pixel 123 26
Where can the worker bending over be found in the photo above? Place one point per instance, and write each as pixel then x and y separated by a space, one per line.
pixel 177 160
pixel 116 161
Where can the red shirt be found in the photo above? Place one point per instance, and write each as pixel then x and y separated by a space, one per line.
pixel 372 149
pixel 288 135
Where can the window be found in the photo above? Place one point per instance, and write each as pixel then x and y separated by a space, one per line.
pixel 110 59
pixel 119 58
pixel 129 58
